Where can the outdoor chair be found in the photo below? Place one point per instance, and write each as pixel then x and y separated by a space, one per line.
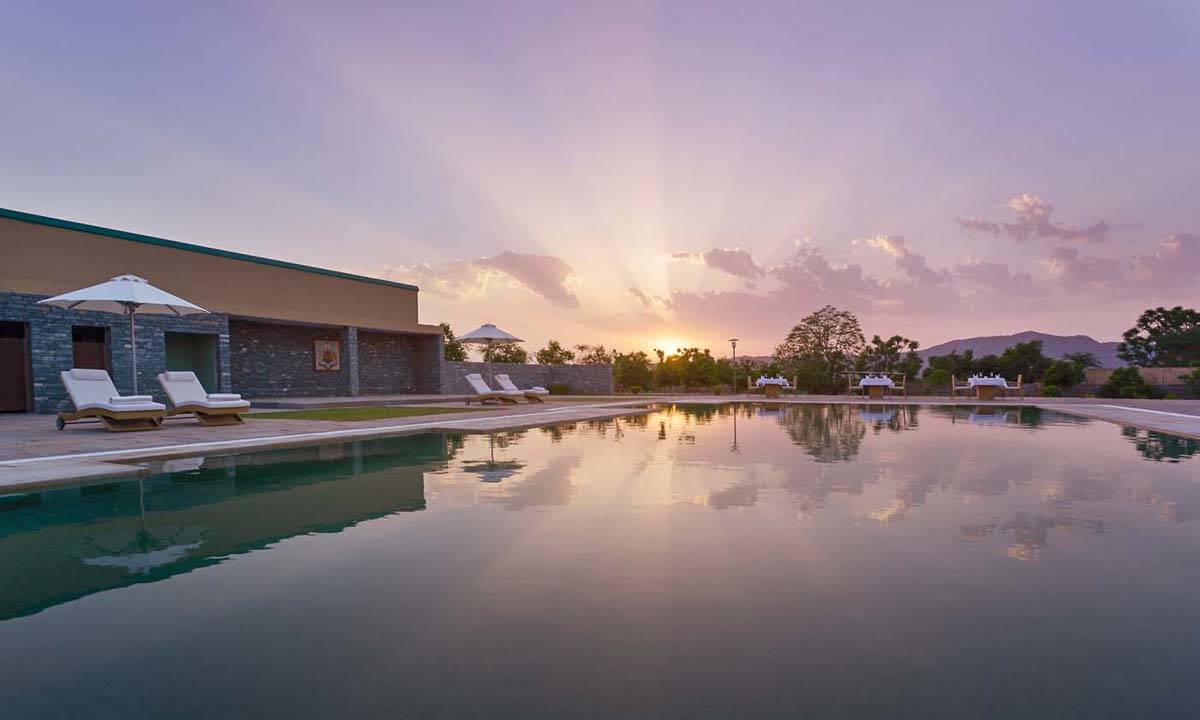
pixel 533 394
pixel 187 395
pixel 94 396
pixel 485 394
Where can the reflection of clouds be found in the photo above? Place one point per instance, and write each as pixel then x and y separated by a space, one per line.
pixel 552 485
pixel 1079 483
pixel 742 494
pixel 1029 535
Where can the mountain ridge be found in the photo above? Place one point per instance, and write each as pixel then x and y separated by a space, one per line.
pixel 1055 346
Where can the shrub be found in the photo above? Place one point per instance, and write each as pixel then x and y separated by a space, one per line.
pixel 635 389
pixel 1171 396
pixel 1063 374
pixel 1127 383
pixel 1051 391
pixel 559 388
pixel 1192 380
pixel 936 379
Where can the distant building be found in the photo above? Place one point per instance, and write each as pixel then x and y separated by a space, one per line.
pixel 277 329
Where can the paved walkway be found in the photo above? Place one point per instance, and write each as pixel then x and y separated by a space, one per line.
pixel 33 453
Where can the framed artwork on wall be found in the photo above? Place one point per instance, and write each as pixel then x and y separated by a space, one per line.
pixel 327 355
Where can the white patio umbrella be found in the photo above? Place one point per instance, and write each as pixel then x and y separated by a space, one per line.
pixel 485 335
pixel 125 295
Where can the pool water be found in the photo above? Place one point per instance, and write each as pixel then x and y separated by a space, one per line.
pixel 735 561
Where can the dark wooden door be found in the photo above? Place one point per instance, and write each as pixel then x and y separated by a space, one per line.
pixel 14 368
pixel 90 346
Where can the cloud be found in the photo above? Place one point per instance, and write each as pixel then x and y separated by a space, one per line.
pixel 1072 271
pixel 914 266
pixel 544 275
pixel 735 261
pixel 996 277
pixel 452 280
pixel 650 301
pixel 1034 220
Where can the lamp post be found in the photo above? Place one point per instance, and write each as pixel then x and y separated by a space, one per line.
pixel 733 362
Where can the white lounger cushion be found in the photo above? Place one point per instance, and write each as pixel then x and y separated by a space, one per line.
pixel 94 390
pixel 481 388
pixel 506 382
pixel 184 388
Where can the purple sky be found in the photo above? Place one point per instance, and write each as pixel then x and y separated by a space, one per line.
pixel 642 174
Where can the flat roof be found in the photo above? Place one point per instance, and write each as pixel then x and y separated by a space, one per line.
pixel 163 242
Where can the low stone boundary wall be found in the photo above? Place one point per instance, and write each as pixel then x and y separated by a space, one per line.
pixel 584 379
pixel 1162 376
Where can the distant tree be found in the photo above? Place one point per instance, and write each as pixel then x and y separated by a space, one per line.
pixel 1025 359
pixel 554 354
pixel 1163 338
pixel 1063 373
pixel 632 371
pixel 953 364
pixel 452 349
pixel 821 347
pixel 505 353
pixel 1082 359
pixel 1127 382
pixel 936 379
pixel 594 355
pixel 896 354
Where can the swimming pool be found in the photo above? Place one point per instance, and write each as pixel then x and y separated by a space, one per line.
pixel 709 561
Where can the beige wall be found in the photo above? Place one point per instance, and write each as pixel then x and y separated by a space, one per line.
pixel 50 260
pixel 1152 375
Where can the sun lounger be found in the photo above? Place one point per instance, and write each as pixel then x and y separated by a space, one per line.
pixel 187 395
pixel 485 394
pixel 533 394
pixel 94 396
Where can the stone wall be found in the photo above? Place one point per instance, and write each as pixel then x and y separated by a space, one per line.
pixel 276 360
pixel 385 363
pixel 1161 376
pixel 582 379
pixel 51 350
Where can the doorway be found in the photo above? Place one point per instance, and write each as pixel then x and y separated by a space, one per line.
pixel 89 347
pixel 14 367
pixel 196 352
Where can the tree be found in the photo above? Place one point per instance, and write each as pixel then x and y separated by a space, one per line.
pixel 632 370
pixel 1127 382
pixel 594 355
pixel 896 354
pixel 821 347
pixel 1063 374
pixel 1025 359
pixel 1082 359
pixel 1163 338
pixel 452 349
pixel 503 352
pixel 953 364
pixel 554 354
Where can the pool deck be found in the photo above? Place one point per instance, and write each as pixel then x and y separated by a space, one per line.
pixel 33 454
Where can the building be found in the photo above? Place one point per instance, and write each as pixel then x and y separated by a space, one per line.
pixel 276 329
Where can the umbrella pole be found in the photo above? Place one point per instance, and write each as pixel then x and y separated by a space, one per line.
pixel 133 347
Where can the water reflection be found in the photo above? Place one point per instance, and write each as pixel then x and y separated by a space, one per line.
pixel 1160 447
pixel 962 470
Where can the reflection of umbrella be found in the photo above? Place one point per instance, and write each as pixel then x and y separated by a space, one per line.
pixel 486 335
pixel 492 470
pixel 145 551
pixel 125 295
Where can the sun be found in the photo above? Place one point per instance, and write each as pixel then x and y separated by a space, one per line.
pixel 670 344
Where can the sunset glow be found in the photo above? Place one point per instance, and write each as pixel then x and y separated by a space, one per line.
pixel 642 175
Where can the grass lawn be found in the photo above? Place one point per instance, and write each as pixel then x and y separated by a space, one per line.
pixel 375 412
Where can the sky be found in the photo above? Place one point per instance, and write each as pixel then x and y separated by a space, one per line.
pixel 650 174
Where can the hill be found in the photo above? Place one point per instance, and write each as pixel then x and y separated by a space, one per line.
pixel 1054 346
